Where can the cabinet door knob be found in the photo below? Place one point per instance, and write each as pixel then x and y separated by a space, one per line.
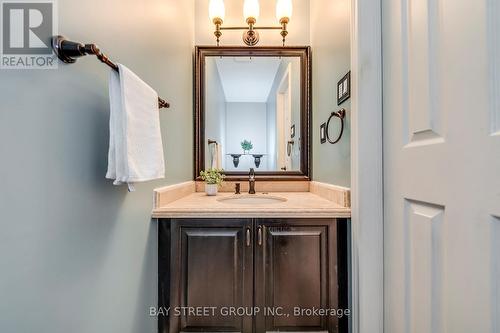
pixel 248 236
pixel 259 235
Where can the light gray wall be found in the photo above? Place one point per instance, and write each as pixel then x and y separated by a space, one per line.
pixel 76 253
pixel 330 42
pixel 215 108
pixel 246 121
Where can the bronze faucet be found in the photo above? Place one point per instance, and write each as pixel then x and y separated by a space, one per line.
pixel 251 181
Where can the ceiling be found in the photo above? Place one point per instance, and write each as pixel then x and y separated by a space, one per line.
pixel 246 79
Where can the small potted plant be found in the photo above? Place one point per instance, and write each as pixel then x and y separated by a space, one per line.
pixel 246 146
pixel 213 179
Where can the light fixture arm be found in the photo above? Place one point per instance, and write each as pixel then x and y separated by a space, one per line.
pixel 217 22
pixel 254 28
pixel 284 22
pixel 251 12
pixel 251 36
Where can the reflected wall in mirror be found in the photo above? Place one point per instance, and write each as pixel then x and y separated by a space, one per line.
pixel 252 111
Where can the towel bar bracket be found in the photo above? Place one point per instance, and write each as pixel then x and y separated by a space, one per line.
pixel 211 142
pixel 68 52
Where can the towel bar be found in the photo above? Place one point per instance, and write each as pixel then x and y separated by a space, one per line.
pixel 67 51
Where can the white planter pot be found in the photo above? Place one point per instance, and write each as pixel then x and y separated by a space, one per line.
pixel 211 189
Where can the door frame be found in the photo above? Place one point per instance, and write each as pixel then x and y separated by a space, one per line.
pixel 367 226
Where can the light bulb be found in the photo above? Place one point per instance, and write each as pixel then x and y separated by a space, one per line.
pixel 284 9
pixel 216 9
pixel 251 8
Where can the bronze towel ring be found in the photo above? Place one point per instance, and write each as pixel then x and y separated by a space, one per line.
pixel 341 115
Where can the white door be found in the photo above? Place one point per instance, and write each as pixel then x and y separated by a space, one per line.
pixel 283 122
pixel 441 165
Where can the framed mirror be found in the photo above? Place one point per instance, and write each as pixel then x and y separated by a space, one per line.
pixel 253 110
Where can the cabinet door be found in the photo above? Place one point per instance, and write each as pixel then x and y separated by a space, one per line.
pixel 211 267
pixel 296 269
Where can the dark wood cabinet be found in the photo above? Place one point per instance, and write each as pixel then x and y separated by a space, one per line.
pixel 211 267
pixel 284 268
pixel 295 271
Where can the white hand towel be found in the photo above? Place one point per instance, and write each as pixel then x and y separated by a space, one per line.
pixel 216 156
pixel 135 145
pixel 212 148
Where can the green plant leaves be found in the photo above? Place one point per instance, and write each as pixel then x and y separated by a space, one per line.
pixel 213 176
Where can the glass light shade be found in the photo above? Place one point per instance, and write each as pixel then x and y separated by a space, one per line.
pixel 216 9
pixel 251 8
pixel 284 8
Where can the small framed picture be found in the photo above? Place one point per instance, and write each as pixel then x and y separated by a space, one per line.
pixel 344 89
pixel 292 131
pixel 322 133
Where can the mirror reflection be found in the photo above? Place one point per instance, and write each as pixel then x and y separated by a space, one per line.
pixel 252 108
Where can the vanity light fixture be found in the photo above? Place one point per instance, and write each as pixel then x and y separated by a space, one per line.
pixel 251 11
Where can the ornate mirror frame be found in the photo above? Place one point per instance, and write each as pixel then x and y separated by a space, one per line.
pixel 304 52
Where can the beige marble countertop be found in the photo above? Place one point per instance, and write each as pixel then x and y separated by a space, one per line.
pixel 298 204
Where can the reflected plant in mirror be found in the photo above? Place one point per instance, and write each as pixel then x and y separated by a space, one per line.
pixel 249 102
pixel 246 146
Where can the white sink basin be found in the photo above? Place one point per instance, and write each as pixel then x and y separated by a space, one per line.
pixel 252 199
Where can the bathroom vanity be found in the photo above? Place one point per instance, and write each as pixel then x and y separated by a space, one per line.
pixel 266 262
pixel 274 258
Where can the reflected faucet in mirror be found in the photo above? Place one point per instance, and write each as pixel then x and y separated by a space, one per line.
pixel 251 181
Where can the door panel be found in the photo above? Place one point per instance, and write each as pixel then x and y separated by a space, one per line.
pixel 493 9
pixel 441 100
pixel 423 265
pixel 421 88
pixel 295 268
pixel 215 269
